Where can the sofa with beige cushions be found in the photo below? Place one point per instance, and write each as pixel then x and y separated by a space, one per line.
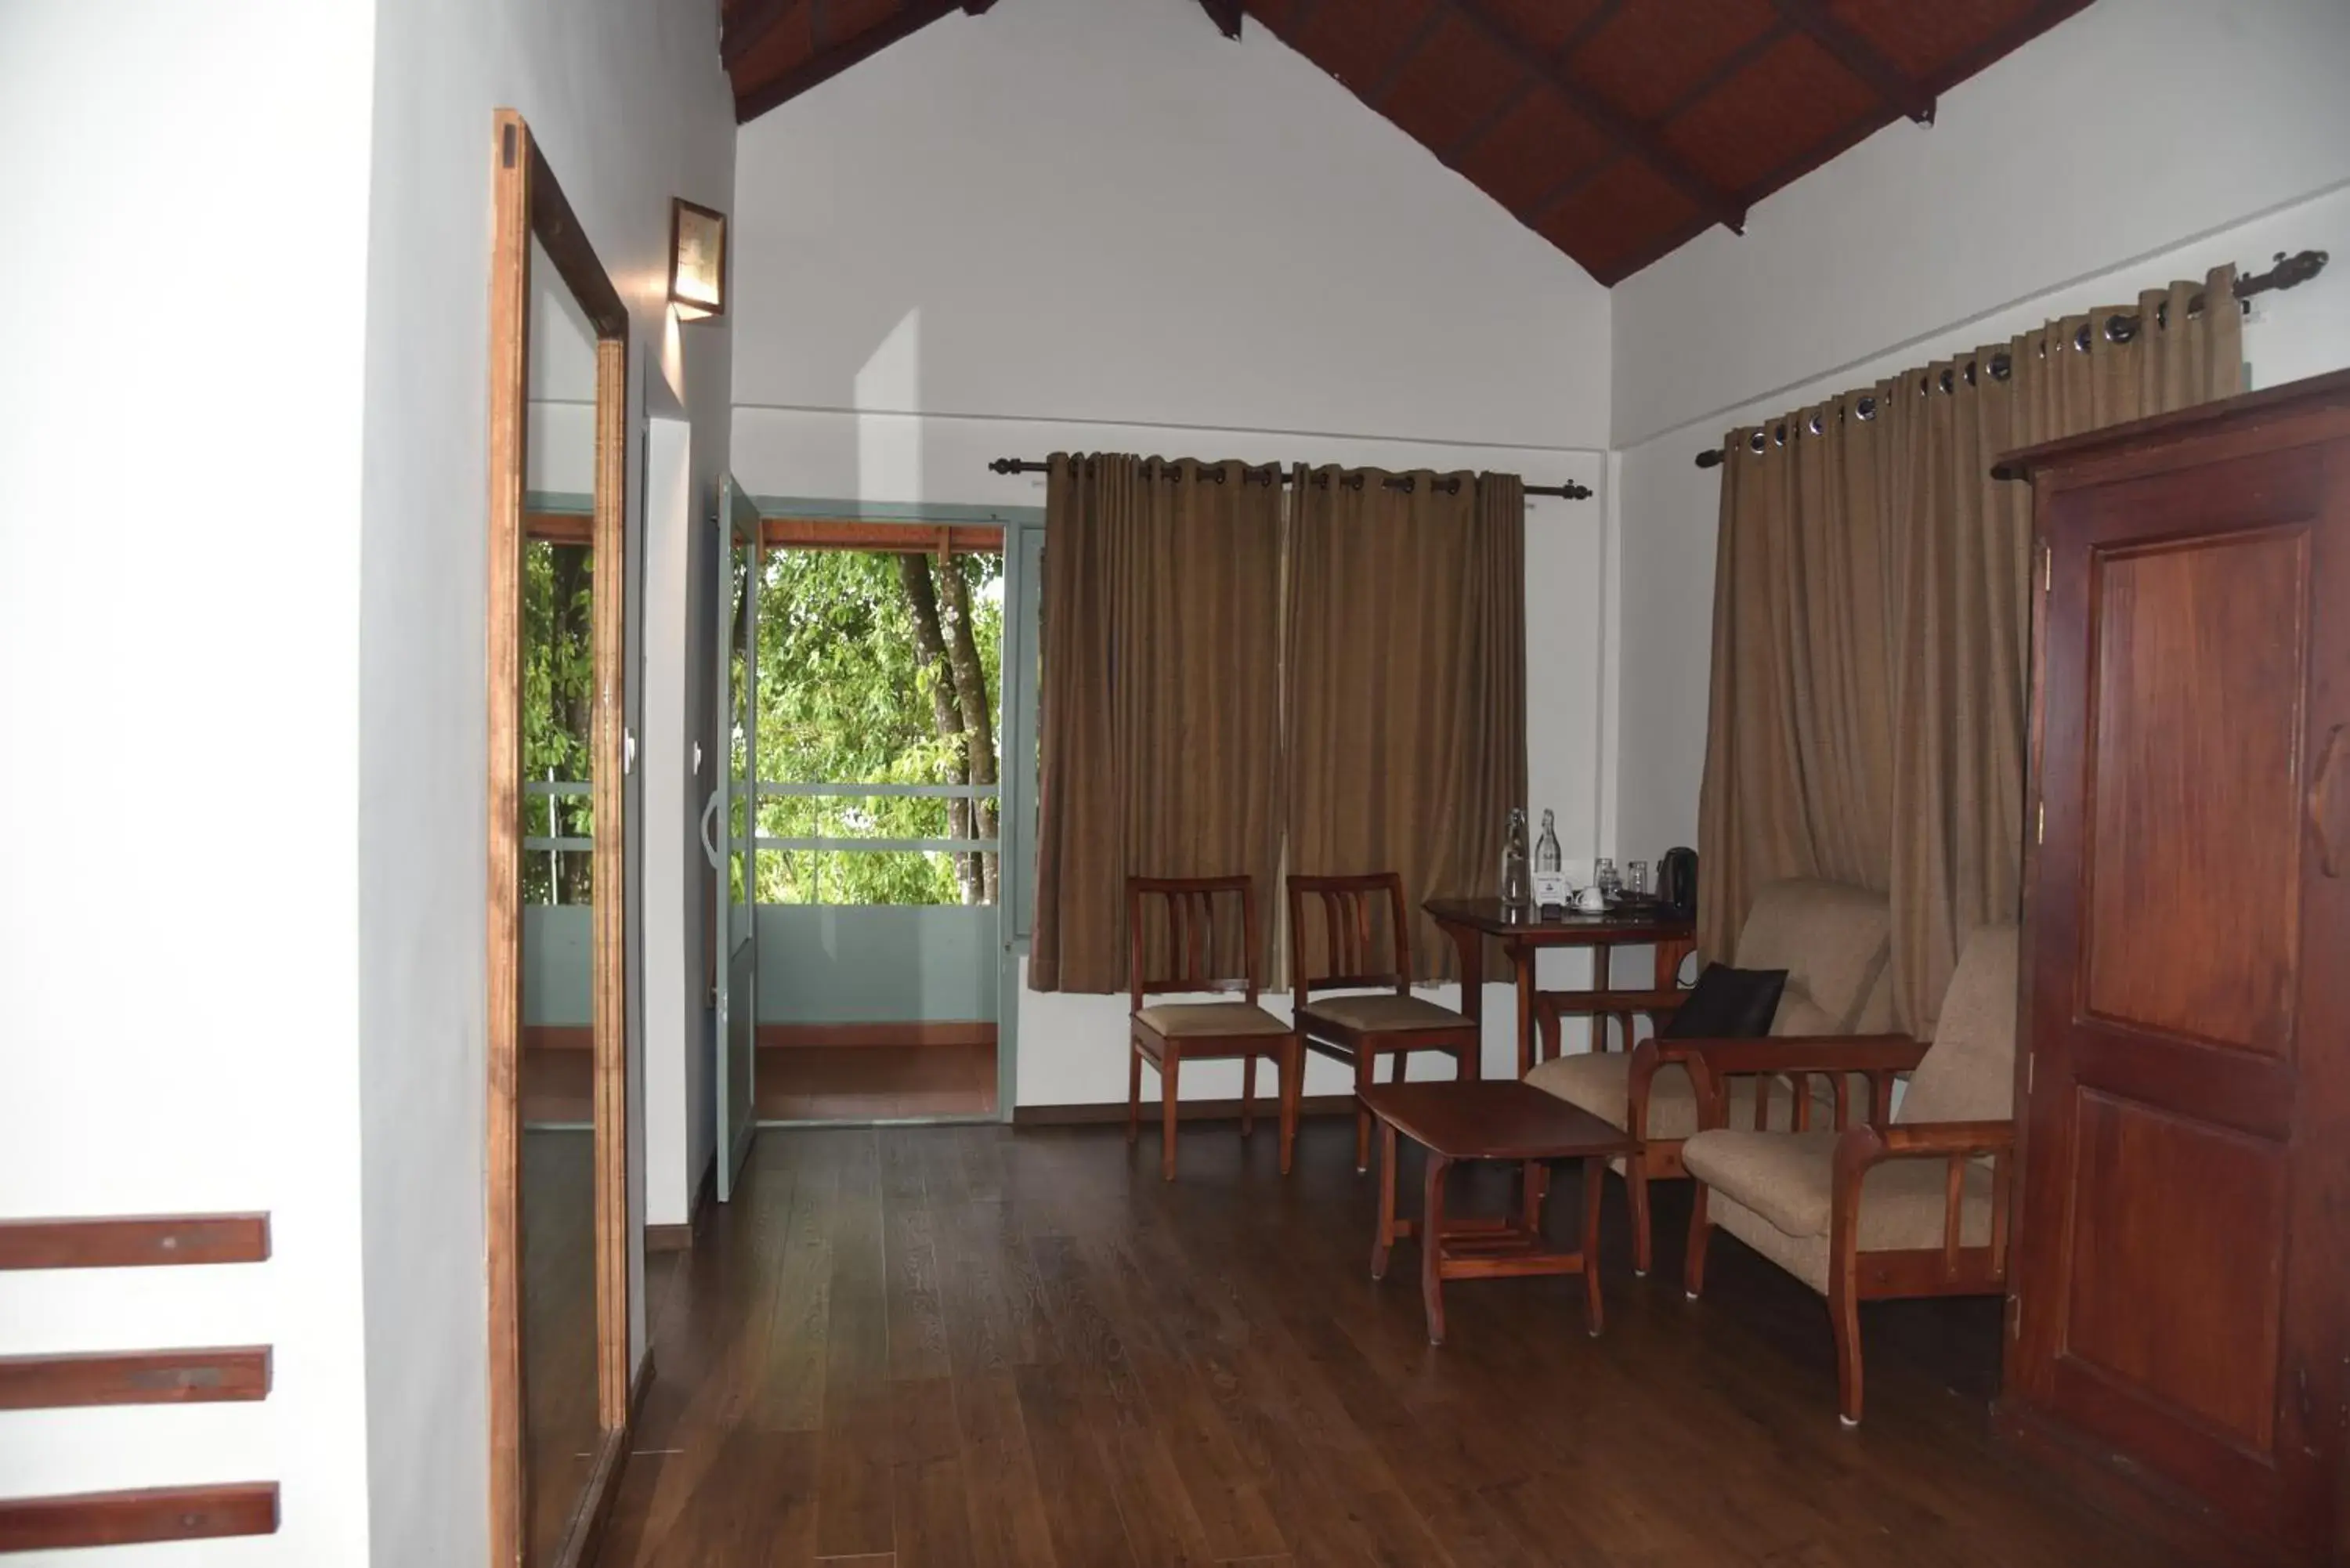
pixel 1832 940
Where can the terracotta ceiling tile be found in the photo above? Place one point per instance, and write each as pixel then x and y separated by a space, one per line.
pixel 781 47
pixel 1652 52
pixel 1545 24
pixel 1531 148
pixel 839 21
pixel 1359 41
pixel 1450 85
pixel 1616 215
pixel 1749 133
pixel 1923 41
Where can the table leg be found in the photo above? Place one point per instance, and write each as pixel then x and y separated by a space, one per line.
pixel 1469 944
pixel 1595 1176
pixel 1523 958
pixel 1599 951
pixel 1668 956
pixel 1533 1186
pixel 1386 1242
pixel 1431 1248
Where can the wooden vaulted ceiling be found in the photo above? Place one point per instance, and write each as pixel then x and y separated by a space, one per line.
pixel 1617 130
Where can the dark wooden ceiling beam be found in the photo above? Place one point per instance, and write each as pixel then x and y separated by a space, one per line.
pixel 1630 136
pixel 826 64
pixel 1861 57
pixel 1226 15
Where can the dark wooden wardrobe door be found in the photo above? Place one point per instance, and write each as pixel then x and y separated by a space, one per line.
pixel 2179 1274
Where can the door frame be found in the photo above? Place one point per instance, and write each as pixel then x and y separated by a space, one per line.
pixel 1016 716
pixel 528 203
pixel 737 515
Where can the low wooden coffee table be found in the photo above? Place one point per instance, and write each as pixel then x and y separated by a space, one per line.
pixel 1502 1119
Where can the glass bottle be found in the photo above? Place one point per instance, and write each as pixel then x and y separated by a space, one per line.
pixel 1547 856
pixel 1517 883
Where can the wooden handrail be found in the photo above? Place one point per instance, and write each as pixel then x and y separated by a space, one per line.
pixel 134 1241
pixel 138 1518
pixel 134 1377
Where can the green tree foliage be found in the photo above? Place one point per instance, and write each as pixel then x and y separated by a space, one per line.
pixel 558 681
pixel 847 695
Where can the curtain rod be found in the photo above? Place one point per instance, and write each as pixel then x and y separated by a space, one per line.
pixel 2290 272
pixel 1271 474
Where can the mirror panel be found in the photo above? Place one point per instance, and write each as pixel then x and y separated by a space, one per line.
pixel 562 1425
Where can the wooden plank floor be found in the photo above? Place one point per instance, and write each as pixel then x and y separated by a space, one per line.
pixel 960 1345
pixel 872 1083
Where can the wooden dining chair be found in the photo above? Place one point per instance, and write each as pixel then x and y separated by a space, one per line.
pixel 1197 938
pixel 1388 1022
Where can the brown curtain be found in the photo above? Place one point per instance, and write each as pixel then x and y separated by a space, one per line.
pixel 1407 700
pixel 1161 698
pixel 1872 621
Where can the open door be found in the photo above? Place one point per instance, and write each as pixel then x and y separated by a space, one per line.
pixel 732 818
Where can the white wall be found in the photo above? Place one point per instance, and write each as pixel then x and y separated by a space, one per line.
pixel 1103 210
pixel 2140 141
pixel 632 108
pixel 1099 224
pixel 180 463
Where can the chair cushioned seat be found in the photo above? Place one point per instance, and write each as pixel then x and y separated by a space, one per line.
pixel 1789 1179
pixel 1601 1083
pixel 1197 1019
pixel 1383 1010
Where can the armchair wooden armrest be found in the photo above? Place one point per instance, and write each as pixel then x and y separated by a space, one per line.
pixel 1551 1006
pixel 1876 1057
pixel 1958 1144
pixel 1657 1003
pixel 1920 1140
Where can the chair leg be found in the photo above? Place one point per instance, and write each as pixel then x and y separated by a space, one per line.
pixel 1635 1191
pixel 1366 1069
pixel 1133 1091
pixel 1292 1087
pixel 1843 1316
pixel 1693 1268
pixel 1170 1067
pixel 1248 1095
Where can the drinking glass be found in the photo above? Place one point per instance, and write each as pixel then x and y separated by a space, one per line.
pixel 1636 878
pixel 1609 883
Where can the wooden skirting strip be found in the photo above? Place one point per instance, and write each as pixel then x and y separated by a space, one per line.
pixel 783 1036
pixel 135 1518
pixel 134 1377
pixel 679 1238
pixel 885 537
pixel 1268 1110
pixel 134 1241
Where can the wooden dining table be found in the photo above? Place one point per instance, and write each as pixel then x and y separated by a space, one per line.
pixel 1524 933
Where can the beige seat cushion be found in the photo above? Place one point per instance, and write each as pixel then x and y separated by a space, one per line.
pixel 1789 1179
pixel 1384 1011
pixel 1195 1020
pixel 1601 1083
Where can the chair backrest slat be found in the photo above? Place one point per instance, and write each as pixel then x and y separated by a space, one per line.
pixel 1187 909
pixel 1348 906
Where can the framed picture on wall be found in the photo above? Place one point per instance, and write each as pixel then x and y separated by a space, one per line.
pixel 697 260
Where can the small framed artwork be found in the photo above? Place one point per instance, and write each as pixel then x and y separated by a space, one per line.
pixel 697 260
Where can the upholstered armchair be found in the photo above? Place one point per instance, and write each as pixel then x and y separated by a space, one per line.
pixel 1832 941
pixel 1914 1203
